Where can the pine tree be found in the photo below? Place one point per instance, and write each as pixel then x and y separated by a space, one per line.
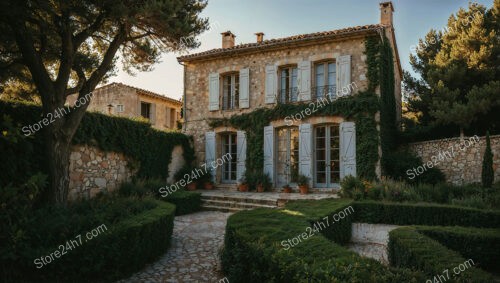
pixel 460 78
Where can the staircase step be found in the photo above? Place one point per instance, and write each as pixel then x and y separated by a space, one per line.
pixel 221 209
pixel 233 204
pixel 243 199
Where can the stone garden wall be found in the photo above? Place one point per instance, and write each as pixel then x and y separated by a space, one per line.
pixel 93 170
pixel 460 160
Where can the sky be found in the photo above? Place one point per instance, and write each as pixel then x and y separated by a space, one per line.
pixel 282 18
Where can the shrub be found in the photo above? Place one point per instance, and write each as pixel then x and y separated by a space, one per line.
pixel 424 214
pixel 185 202
pixel 254 249
pixel 399 162
pixel 408 248
pixel 481 245
pixel 137 231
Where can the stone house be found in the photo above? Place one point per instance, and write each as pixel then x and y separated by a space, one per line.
pixel 238 79
pixel 123 100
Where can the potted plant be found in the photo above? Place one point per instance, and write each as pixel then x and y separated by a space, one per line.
pixel 287 189
pixel 303 183
pixel 263 182
pixel 243 184
pixel 185 174
pixel 205 181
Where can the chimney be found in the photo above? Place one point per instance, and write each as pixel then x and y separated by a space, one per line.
pixel 260 37
pixel 386 11
pixel 228 39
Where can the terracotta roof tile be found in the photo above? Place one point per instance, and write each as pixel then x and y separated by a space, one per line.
pixel 145 91
pixel 280 41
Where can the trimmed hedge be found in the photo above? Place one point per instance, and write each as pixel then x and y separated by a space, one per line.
pixel 255 249
pixel 125 247
pixel 481 245
pixel 319 213
pixel 408 248
pixel 424 214
pixel 185 202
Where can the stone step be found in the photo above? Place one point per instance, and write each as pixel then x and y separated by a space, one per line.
pixel 221 209
pixel 233 204
pixel 242 199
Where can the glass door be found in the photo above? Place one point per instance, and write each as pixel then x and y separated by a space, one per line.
pixel 327 153
pixel 287 159
pixel 229 167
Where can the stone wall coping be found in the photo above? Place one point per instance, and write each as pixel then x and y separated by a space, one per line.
pixel 448 140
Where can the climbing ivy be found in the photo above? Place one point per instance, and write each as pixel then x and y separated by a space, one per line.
pixel 150 148
pixel 360 108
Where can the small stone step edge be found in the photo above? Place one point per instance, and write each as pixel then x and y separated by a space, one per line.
pixel 223 203
pixel 240 199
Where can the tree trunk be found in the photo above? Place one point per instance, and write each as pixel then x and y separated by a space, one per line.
pixel 57 152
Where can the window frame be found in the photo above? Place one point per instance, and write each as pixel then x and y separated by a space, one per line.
pixel 233 97
pixel 290 87
pixel 314 84
pixel 148 109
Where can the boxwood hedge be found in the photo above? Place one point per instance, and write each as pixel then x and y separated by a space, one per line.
pixel 255 248
pixel 411 249
pixel 124 247
pixel 424 214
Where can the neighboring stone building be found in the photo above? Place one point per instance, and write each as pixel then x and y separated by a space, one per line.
pixel 237 79
pixel 124 100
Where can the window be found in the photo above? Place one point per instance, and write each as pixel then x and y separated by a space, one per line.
pixel 146 110
pixel 288 84
pixel 229 168
pixel 327 159
pixel 325 76
pixel 230 91
pixel 119 108
pixel 173 118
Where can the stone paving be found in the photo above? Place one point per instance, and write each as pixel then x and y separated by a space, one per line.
pixel 194 253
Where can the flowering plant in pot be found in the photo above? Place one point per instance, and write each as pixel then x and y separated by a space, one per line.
pixel 303 183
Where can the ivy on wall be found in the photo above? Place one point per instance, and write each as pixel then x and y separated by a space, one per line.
pixel 151 148
pixel 360 108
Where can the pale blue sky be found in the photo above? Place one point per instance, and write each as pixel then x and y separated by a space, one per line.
pixel 280 18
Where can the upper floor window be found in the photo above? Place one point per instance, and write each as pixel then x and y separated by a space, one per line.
pixel 325 76
pixel 119 108
pixel 146 110
pixel 288 84
pixel 230 91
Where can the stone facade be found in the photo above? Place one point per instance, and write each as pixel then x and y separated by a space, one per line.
pixel 460 160
pixel 205 72
pixel 123 100
pixel 93 170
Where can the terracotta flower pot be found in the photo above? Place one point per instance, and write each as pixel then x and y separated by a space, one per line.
pixel 208 186
pixel 191 186
pixel 260 188
pixel 304 189
pixel 243 187
pixel 287 190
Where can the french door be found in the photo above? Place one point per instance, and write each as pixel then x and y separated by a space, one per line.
pixel 229 146
pixel 287 159
pixel 327 156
